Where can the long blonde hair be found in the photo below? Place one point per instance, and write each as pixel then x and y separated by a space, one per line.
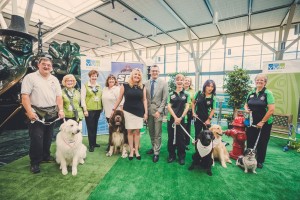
pixel 130 80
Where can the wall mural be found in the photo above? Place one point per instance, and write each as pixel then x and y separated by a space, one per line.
pixel 17 60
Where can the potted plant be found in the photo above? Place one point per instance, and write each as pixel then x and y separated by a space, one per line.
pixel 237 85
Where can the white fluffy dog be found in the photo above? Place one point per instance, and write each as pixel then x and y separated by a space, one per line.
pixel 219 150
pixel 69 148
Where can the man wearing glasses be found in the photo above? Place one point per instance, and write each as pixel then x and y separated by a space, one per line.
pixel 42 100
pixel 157 93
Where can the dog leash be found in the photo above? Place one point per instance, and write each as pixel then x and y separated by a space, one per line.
pixel 257 136
pixel 207 126
pixel 174 126
pixel 46 123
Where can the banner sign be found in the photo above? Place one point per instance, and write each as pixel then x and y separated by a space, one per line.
pixel 122 70
pixel 281 66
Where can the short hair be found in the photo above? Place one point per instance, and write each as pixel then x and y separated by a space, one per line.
pixel 130 81
pixel 207 83
pixel 264 76
pixel 92 72
pixel 178 76
pixel 68 77
pixel 154 66
pixel 191 81
pixel 45 57
pixel 111 77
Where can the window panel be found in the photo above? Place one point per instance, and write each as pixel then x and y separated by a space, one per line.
pixel 183 66
pixel 267 58
pixel 183 57
pixel 252 50
pixel 216 65
pixel 171 67
pixel 205 65
pixel 289 56
pixel 231 62
pixel 192 67
pixel 269 36
pixel 235 41
pixel 171 49
pixel 249 40
pixel 217 53
pixel 170 57
pixel 234 51
pixel 252 62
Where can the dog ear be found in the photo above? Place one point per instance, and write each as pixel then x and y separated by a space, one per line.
pixel 62 126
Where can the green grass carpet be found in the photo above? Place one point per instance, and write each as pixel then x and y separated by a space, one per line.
pixel 115 178
pixel 279 179
pixel 16 182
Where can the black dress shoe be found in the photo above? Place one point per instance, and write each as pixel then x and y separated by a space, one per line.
pixel 130 157
pixel 49 159
pixel 260 165
pixel 97 145
pixel 181 161
pixel 35 169
pixel 139 157
pixel 155 158
pixel 171 159
pixel 150 152
pixel 91 149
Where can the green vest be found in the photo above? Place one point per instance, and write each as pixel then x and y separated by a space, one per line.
pixel 68 110
pixel 93 99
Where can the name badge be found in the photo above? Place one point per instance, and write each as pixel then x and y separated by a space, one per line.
pixel 96 99
pixel 208 102
pixel 184 97
pixel 70 108
pixel 251 96
pixel 262 98
pixel 173 96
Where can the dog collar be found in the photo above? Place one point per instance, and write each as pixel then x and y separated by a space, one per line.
pixel 204 150
pixel 216 142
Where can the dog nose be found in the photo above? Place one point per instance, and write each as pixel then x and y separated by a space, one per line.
pixel 78 130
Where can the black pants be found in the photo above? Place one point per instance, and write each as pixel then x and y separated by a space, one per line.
pixel 92 125
pixel 199 126
pixel 252 134
pixel 40 141
pixel 180 140
pixel 188 127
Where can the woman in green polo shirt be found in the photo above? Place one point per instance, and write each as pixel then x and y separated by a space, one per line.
pixel 260 101
pixel 71 99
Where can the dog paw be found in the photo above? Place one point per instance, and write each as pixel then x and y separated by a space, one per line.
pixel 74 172
pixel 224 165
pixel 64 171
pixel 81 161
pixel 229 161
pixel 125 155
pixel 254 172
pixel 246 171
pixel 108 154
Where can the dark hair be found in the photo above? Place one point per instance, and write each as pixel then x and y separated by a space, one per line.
pixel 207 83
pixel 46 57
pixel 109 77
pixel 92 72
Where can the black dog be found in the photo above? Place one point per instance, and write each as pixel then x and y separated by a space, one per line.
pixel 203 146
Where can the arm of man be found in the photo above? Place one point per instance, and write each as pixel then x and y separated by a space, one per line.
pixel 59 103
pixel 27 105
pixel 163 101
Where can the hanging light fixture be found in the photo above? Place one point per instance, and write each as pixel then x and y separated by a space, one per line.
pixel 154 32
pixel 110 42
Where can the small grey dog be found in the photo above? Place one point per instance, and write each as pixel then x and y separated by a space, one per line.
pixel 248 161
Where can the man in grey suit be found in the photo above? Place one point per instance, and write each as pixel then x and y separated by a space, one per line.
pixel 157 94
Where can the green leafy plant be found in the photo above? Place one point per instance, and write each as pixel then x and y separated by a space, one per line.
pixel 237 85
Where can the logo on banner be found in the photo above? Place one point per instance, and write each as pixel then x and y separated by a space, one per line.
pixel 122 70
pixel 276 66
pixel 92 63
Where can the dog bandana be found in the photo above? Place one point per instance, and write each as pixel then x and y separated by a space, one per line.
pixel 204 150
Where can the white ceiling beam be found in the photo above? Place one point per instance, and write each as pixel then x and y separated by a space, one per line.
pixel 192 48
pixel 3 4
pixel 55 8
pixel 135 54
pixel 14 4
pixel 54 32
pixel 163 3
pixel 261 41
pixel 156 52
pixel 119 56
pixel 94 51
pixel 298 38
pixel 250 3
pixel 28 12
pixel 287 29
pixel 279 42
pixel 2 21
pixel 208 50
pixel 184 48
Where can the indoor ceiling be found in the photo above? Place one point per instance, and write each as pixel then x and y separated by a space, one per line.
pixel 110 26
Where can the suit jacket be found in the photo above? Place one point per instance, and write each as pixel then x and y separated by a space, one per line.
pixel 159 100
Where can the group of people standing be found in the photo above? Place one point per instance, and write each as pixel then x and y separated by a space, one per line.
pixel 45 102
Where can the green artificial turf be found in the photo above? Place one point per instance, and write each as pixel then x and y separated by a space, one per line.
pixel 16 181
pixel 106 178
pixel 279 178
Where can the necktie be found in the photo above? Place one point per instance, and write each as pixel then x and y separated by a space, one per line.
pixel 152 89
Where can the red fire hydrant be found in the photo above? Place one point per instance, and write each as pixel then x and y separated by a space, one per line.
pixel 239 136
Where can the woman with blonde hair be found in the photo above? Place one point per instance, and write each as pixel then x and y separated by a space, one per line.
pixel 71 99
pixel 135 109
